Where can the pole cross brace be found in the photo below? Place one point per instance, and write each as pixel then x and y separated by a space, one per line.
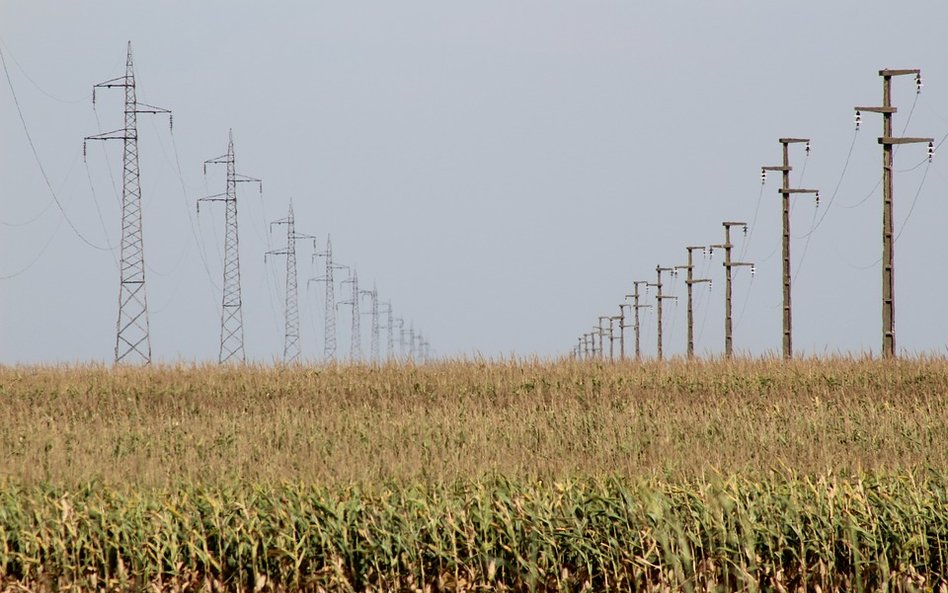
pixel 878 109
pixel 888 140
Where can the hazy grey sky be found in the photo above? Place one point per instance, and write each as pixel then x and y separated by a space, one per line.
pixel 503 170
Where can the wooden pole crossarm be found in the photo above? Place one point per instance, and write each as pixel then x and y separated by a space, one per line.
pixel 633 306
pixel 899 72
pixel 793 140
pixel 777 168
pixel 797 191
pixel 878 109
pixel 888 140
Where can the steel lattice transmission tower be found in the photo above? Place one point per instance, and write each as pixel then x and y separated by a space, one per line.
pixel 329 337
pixel 132 340
pixel 291 311
pixel 232 327
pixel 390 329
pixel 401 337
pixel 374 312
pixel 423 348
pixel 355 346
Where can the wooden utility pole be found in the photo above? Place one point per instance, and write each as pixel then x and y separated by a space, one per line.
pixel 586 354
pixel 888 255
pixel 602 337
pixel 690 282
pixel 785 190
pixel 635 296
pixel 728 264
pixel 612 338
pixel 659 297
pixel 622 328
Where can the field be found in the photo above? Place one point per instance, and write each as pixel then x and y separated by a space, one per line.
pixel 753 475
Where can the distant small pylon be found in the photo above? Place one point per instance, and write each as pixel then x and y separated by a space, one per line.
pixel 355 345
pixel 401 338
pixel 329 315
pixel 291 340
pixel 390 329
pixel 232 317
pixel 374 311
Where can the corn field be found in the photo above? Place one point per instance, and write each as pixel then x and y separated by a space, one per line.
pixel 783 534
pixel 813 475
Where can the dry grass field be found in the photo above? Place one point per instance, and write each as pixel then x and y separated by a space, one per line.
pixel 528 476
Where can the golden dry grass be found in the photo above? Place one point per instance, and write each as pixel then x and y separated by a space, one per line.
pixel 470 420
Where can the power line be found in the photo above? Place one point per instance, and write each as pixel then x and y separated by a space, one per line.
pixel 753 225
pixel 36 84
pixel 198 241
pixel 49 203
pixel 39 162
pixel 39 255
pixel 912 207
pixel 105 157
pixel 98 212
